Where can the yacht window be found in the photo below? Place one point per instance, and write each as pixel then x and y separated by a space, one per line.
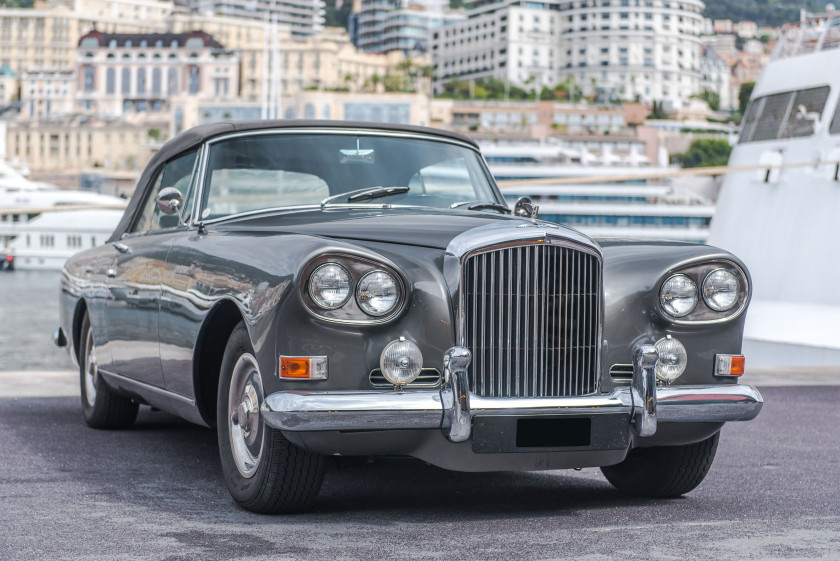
pixel 835 122
pixel 785 115
pixel 772 116
pixel 806 112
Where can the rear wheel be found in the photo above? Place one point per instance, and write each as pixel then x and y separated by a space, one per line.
pixel 664 471
pixel 101 406
pixel 263 471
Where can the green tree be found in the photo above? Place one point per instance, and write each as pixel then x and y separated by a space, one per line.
pixel 705 152
pixel 712 98
pixel 744 96
pixel 154 133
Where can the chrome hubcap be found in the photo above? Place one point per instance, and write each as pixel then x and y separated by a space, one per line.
pixel 91 370
pixel 245 424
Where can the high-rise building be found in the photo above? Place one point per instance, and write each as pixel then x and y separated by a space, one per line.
pixel 303 17
pixel 383 26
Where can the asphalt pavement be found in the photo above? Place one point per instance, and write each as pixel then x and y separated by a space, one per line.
pixel 155 492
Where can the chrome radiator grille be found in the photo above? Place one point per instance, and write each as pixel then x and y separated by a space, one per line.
pixel 531 321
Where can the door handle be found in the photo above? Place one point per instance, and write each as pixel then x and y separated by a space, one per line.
pixel 121 247
pixel 111 273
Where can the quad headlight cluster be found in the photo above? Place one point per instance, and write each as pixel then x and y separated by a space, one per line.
pixel 706 292
pixel 351 289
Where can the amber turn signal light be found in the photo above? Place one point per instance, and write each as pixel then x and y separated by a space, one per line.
pixel 729 365
pixel 303 367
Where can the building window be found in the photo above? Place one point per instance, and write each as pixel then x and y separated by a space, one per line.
pixel 156 80
pixel 126 81
pixel 110 80
pixel 141 80
pixel 88 76
pixel 172 81
pixel 194 80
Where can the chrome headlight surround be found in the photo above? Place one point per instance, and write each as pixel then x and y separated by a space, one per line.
pixel 702 312
pixel 350 311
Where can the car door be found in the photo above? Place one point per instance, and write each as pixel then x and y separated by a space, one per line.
pixel 134 283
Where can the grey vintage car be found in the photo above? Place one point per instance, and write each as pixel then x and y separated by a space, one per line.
pixel 314 289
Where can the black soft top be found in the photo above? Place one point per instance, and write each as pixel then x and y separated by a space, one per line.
pixel 194 137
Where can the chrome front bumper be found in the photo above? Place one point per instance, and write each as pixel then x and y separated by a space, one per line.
pixel 452 408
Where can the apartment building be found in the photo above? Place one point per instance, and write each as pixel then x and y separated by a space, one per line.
pixel 47 93
pixel 302 17
pixel 125 74
pixel 614 49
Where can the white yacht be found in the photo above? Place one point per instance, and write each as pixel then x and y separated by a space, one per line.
pixel 41 225
pixel 635 206
pixel 780 214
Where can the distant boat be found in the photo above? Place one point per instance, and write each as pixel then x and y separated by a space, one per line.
pixel 41 225
pixel 781 216
pixel 635 207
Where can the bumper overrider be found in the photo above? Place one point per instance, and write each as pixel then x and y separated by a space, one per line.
pixel 453 408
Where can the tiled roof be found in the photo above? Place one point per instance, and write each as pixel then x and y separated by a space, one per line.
pixel 151 39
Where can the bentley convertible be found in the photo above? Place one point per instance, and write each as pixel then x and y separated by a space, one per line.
pixel 313 289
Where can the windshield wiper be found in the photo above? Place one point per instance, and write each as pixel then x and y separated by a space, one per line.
pixel 481 206
pixel 365 193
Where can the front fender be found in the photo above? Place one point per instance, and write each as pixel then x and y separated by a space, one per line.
pixel 632 271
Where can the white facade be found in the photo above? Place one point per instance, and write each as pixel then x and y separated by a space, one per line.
pixel 503 40
pixel 382 26
pixel 123 74
pixel 619 49
pixel 715 74
pixel 633 49
pixel 47 93
pixel 303 17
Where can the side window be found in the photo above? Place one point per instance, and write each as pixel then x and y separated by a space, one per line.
pixel 176 173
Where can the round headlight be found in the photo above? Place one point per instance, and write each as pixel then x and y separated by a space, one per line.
pixel 672 359
pixel 720 290
pixel 378 293
pixel 329 286
pixel 678 295
pixel 401 362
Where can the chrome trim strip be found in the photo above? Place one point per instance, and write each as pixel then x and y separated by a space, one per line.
pixel 119 379
pixel 424 409
pixel 342 131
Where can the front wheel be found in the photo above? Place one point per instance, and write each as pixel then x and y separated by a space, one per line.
pixel 102 407
pixel 664 471
pixel 264 472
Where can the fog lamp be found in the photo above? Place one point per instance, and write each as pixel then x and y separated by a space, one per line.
pixel 672 359
pixel 401 362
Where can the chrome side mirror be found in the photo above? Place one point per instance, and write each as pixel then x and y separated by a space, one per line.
pixel 170 200
pixel 524 208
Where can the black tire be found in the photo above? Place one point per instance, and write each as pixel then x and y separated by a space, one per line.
pixel 283 478
pixel 665 471
pixel 106 409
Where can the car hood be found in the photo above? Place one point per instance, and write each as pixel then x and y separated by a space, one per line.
pixel 435 228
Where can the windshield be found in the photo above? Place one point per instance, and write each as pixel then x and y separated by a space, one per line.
pixel 270 171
